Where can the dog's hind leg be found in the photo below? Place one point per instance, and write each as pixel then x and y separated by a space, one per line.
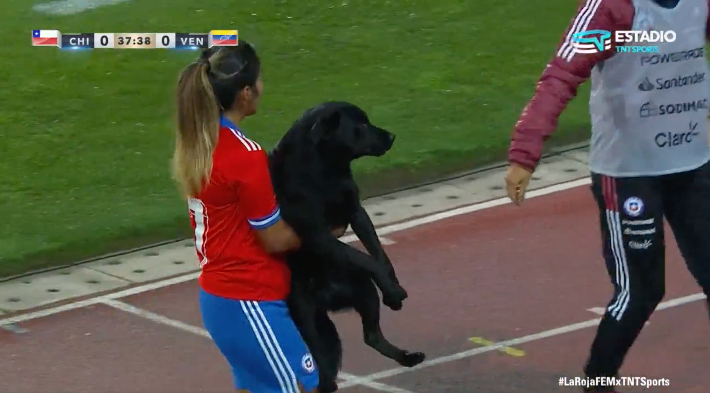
pixel 303 312
pixel 328 335
pixel 367 304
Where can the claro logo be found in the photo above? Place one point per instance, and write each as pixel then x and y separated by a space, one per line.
pixel 674 57
pixel 673 139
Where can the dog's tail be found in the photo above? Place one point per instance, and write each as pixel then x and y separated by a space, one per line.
pixel 330 337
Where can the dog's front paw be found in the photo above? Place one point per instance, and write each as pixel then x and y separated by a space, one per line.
pixel 411 359
pixel 393 298
pixel 328 386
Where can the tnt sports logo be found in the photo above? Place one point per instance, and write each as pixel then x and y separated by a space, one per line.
pixel 592 41
pixel 596 41
pixel 633 206
pixel 307 363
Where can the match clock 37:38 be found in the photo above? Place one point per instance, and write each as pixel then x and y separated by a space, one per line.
pixel 137 41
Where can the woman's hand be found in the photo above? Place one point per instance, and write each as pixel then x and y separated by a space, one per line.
pixel 338 232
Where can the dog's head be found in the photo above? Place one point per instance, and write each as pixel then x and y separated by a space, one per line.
pixel 344 130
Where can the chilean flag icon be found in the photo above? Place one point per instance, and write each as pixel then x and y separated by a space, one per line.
pixel 45 37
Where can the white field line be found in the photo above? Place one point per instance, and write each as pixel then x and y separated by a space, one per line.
pixel 347 239
pixel 510 343
pixel 163 320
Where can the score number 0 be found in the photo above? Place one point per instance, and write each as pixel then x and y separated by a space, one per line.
pixel 104 40
pixel 165 40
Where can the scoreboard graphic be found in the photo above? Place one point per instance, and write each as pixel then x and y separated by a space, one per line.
pixel 192 41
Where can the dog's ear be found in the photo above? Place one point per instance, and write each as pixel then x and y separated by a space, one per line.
pixel 325 125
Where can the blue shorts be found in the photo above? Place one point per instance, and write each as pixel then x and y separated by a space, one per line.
pixel 261 343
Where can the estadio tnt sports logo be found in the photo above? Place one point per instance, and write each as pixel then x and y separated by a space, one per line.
pixel 626 41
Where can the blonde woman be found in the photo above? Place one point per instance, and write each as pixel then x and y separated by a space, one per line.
pixel 240 238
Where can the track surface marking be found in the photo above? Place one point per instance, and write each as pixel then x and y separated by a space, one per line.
pixel 522 278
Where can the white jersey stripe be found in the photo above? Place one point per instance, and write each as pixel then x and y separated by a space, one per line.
pixel 253 144
pixel 248 143
pixel 241 139
pixel 263 222
pixel 581 22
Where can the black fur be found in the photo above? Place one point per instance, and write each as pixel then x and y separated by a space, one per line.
pixel 314 185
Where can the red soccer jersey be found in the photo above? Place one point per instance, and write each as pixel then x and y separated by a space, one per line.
pixel 238 199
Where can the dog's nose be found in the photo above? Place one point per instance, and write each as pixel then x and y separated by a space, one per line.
pixel 391 137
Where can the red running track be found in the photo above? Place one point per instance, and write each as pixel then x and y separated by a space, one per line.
pixel 498 274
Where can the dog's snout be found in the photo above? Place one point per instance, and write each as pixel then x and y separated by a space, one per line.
pixel 391 137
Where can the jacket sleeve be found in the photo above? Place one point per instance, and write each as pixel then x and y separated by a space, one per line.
pixel 563 75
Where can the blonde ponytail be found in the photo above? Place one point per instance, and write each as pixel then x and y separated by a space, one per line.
pixel 197 129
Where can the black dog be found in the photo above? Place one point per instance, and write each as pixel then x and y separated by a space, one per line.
pixel 314 185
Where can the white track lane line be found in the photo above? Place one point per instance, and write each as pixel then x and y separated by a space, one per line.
pixel 347 239
pixel 163 320
pixel 511 343
pixel 355 380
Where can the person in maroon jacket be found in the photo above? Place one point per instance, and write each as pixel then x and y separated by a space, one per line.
pixel 649 154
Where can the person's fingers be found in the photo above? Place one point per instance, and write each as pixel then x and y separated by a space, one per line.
pixel 520 194
pixel 513 190
pixel 509 189
pixel 524 188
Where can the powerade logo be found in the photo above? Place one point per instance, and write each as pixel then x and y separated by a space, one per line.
pixel 596 41
pixel 665 84
pixel 674 139
pixel 673 57
pixel 650 110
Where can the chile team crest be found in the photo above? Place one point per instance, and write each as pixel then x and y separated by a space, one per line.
pixel 633 206
pixel 307 363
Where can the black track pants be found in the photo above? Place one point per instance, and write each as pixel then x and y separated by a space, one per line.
pixel 631 214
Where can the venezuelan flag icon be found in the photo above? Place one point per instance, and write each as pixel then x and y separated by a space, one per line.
pixel 223 38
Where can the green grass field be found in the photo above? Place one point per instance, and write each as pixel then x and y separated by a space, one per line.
pixel 86 137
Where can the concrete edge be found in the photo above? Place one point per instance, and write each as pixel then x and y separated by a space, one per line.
pixel 558 151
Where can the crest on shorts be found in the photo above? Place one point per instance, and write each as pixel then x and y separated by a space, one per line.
pixel 633 206
pixel 307 363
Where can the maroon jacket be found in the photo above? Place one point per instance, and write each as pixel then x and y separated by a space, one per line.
pixel 563 75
